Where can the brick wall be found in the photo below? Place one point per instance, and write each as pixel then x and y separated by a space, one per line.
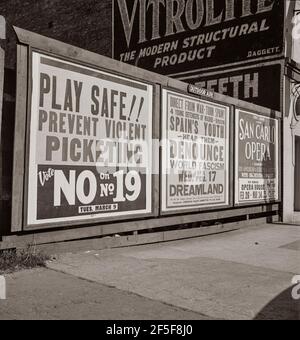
pixel 83 23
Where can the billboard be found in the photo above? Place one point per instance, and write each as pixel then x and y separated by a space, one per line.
pixel 90 144
pixel 195 153
pixel 175 37
pixel 260 84
pixel 256 158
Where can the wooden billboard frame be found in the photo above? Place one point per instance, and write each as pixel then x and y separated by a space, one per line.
pixel 43 45
pixel 31 41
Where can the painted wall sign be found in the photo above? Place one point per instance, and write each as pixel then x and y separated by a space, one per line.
pixel 195 153
pixel 257 162
pixel 90 144
pixel 260 85
pixel 175 37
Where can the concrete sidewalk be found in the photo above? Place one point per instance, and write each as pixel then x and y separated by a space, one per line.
pixel 44 294
pixel 244 274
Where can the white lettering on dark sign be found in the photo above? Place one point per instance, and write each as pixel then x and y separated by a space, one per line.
pixel 200 91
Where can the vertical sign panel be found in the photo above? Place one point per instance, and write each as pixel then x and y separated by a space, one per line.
pixel 259 84
pixel 90 144
pixel 256 159
pixel 195 153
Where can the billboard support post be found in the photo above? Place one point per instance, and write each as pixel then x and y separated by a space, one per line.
pixel 19 145
pixel 2 66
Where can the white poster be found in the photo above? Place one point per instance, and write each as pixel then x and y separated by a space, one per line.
pixel 256 158
pixel 90 144
pixel 195 153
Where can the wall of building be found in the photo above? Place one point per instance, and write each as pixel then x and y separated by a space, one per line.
pixel 295 34
pixel 288 168
pixel 86 24
pixel 291 127
pixel 291 130
pixel 200 52
pixel 83 23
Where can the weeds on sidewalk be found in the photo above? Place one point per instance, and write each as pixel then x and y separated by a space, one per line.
pixel 15 260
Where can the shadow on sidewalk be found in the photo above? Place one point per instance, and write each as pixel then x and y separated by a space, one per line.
pixel 283 307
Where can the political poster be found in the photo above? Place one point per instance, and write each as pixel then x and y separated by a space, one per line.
pixel 177 37
pixel 257 158
pixel 195 153
pixel 90 144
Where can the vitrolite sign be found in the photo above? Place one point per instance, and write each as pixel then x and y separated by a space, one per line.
pixel 90 144
pixel 175 37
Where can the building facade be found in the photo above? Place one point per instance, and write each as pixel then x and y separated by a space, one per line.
pixel 291 132
pixel 246 49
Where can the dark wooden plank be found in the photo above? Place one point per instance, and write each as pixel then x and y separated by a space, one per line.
pixel 2 66
pixel 155 151
pixel 276 219
pixel 117 228
pixel 280 162
pixel 19 141
pixel 232 155
pixel 185 219
pixel 143 239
